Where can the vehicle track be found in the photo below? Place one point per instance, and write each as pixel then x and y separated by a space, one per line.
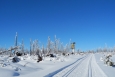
pixel 67 71
pixel 96 70
pixel 86 67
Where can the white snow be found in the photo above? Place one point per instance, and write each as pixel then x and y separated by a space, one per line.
pixel 88 65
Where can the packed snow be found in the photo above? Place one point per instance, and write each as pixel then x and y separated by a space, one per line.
pixel 75 65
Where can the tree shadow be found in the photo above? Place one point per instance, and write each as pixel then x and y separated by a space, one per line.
pixel 113 66
pixel 16 74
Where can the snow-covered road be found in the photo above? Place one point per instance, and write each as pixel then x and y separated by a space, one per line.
pixel 84 67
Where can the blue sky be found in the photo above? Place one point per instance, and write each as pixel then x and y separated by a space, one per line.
pixel 90 23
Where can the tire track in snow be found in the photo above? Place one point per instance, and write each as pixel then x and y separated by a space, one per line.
pixel 96 70
pixel 83 67
pixel 82 70
pixel 90 68
pixel 66 67
pixel 71 70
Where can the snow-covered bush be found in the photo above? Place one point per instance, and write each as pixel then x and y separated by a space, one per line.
pixel 3 65
pixel 110 63
pixel 39 59
pixel 17 69
pixel 52 55
pixel 19 54
pixel 101 59
pixel 15 59
pixel 1 62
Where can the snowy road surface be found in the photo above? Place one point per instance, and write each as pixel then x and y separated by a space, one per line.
pixel 85 67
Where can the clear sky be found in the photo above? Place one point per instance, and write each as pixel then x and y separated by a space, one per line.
pixel 89 23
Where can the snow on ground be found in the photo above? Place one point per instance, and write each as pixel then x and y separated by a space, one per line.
pixel 85 67
pixel 109 70
pixel 29 67
pixel 88 65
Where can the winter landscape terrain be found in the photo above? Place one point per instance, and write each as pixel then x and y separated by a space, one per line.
pixel 74 65
pixel 85 47
pixel 56 60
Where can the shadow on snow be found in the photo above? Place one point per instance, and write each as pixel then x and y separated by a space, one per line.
pixel 16 74
pixel 113 66
pixel 57 71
